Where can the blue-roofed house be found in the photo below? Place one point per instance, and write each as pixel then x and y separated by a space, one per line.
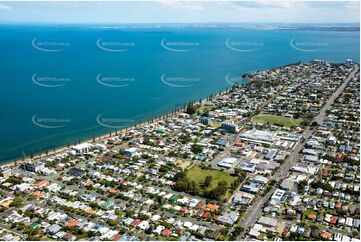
pixel 341 148
pixel 224 143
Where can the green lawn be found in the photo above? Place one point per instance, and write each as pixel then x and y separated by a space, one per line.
pixel 308 212
pixel 204 108
pixel 274 119
pixel 198 175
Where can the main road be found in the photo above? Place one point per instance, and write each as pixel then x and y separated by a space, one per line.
pixel 255 211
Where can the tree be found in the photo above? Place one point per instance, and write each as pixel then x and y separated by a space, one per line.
pixel 179 175
pixel 224 231
pixel 17 201
pixel 141 178
pixel 196 189
pixel 223 184
pixel 302 185
pixel 32 153
pixel 236 183
pixel 190 109
pixel 314 124
pixel 327 187
pixel 182 182
pixel 147 140
pixel 305 122
pixel 207 181
pixel 112 222
pixel 164 168
pixel 196 149
pixel 238 230
pixel 182 185
pixel 219 191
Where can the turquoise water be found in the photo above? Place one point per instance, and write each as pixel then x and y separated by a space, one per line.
pixel 50 94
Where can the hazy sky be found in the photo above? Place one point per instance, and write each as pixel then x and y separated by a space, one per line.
pixel 180 12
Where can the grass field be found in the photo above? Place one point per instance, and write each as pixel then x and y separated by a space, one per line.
pixel 308 212
pixel 204 108
pixel 278 120
pixel 198 175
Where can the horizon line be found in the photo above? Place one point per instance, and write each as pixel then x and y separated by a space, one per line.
pixel 159 23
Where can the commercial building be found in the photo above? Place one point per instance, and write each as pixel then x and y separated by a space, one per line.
pixel 267 221
pixel 75 172
pixel 228 218
pixel 130 152
pixel 271 154
pixel 227 162
pixel 278 196
pixel 32 166
pixel 229 127
pixel 7 172
pixel 82 148
pixel 204 120
pixel 259 136
pixel 250 167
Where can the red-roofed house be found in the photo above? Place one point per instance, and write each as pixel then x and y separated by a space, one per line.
pixel 116 237
pixel 326 235
pixel 166 232
pixel 72 223
pixel 339 157
pixel 333 219
pixel 206 215
pixel 212 207
pixel 41 183
pixel 312 216
pixel 135 223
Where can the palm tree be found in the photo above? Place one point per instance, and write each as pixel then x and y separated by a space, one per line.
pixel 32 153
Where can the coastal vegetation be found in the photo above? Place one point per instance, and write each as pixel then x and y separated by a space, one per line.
pixel 191 108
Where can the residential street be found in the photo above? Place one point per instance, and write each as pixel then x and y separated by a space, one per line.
pixel 255 211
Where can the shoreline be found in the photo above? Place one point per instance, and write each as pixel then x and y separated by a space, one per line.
pixel 103 137
pixel 100 138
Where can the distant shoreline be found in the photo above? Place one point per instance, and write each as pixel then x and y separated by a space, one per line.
pixel 342 27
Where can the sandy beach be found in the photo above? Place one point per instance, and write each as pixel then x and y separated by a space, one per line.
pixel 100 138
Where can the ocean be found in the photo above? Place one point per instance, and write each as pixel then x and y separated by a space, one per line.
pixel 63 84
